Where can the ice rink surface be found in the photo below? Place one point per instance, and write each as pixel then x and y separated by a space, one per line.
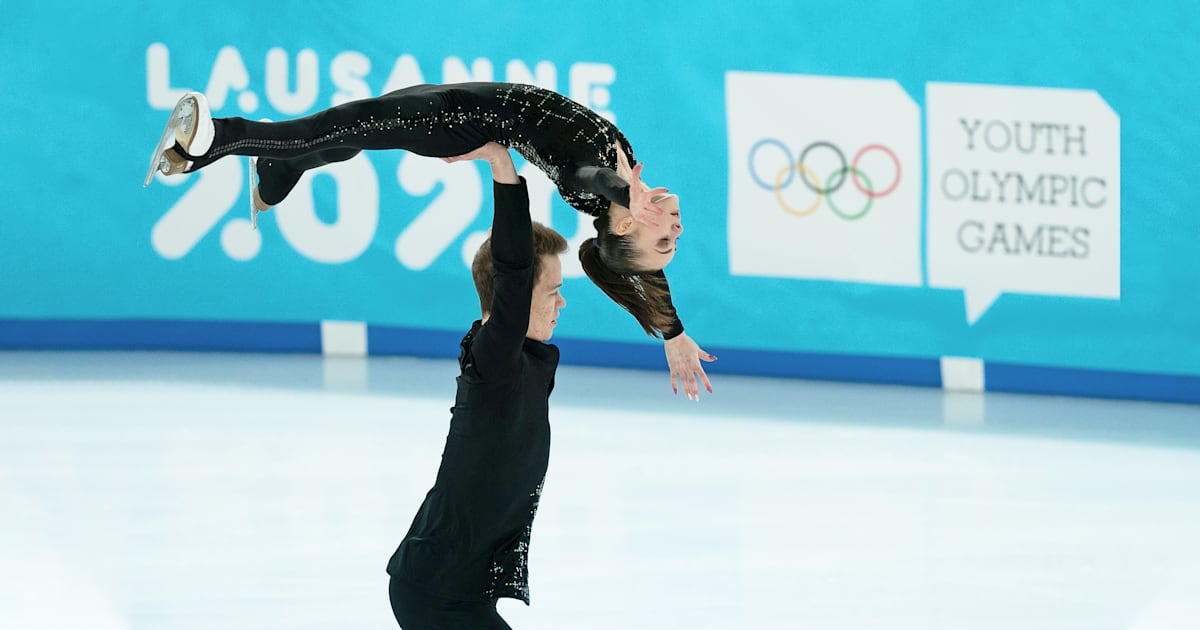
pixel 170 491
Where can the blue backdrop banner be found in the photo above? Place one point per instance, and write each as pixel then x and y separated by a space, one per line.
pixel 866 187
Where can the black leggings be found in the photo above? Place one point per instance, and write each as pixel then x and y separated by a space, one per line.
pixel 416 610
pixel 424 119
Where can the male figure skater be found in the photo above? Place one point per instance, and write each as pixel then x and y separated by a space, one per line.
pixel 468 544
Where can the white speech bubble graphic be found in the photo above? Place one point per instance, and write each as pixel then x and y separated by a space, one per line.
pixel 824 178
pixel 1024 193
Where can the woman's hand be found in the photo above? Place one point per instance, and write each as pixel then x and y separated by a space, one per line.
pixel 641 208
pixel 684 356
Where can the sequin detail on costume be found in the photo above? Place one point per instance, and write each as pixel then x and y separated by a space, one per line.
pixel 510 567
pixel 363 128
pixel 551 131
pixel 585 128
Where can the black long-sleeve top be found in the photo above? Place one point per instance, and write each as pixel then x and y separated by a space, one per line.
pixel 470 538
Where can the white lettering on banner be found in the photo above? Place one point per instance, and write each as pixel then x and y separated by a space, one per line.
pixel 213 191
pixel 589 85
pixel 348 72
pixel 405 72
pixel 442 221
pixel 454 70
pixel 587 82
pixel 544 74
pixel 357 213
pixel 159 93
pixel 218 189
pixel 1024 192
pixel 229 73
pixel 305 96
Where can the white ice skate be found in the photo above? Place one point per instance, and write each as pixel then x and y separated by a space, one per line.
pixel 191 127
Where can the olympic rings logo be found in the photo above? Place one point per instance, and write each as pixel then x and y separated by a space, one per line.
pixel 787 175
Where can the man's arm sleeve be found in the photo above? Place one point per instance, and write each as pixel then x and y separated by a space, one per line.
pixel 498 348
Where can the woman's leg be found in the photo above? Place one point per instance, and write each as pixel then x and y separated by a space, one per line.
pixel 432 120
pixel 277 177
pixel 425 119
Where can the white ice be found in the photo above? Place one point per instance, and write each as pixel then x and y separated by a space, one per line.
pixel 196 491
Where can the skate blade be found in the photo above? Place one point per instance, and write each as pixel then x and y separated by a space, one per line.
pixel 252 161
pixel 166 141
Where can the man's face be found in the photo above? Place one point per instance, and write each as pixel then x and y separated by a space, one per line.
pixel 547 300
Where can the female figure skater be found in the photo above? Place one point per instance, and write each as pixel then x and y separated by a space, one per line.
pixel 584 154
pixel 468 544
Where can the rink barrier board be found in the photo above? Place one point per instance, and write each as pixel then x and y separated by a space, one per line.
pixel 306 338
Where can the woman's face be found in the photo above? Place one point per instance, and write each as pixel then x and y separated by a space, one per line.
pixel 658 244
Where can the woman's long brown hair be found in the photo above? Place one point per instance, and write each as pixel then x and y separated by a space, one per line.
pixel 608 261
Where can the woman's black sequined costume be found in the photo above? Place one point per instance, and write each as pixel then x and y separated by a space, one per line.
pixel 558 135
